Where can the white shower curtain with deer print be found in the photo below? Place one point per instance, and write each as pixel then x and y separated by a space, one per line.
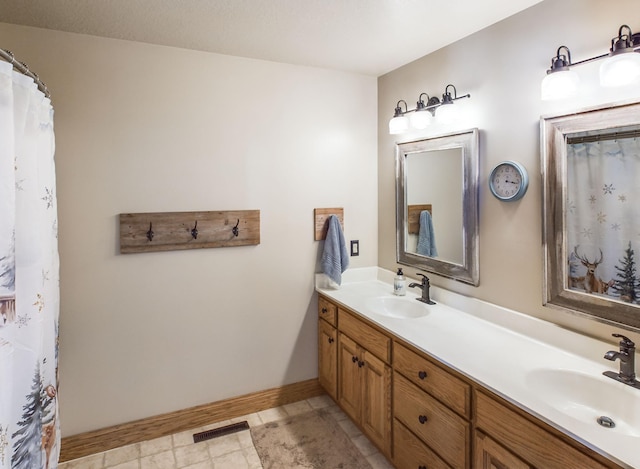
pixel 603 217
pixel 29 281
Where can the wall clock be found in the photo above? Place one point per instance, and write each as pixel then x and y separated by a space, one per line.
pixel 508 181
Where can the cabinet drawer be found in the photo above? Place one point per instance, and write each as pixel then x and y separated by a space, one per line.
pixel 439 427
pixel 524 438
pixel 450 390
pixel 366 336
pixel 411 453
pixel 327 310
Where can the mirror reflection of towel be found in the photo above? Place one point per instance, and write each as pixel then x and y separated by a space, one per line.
pixel 335 258
pixel 426 237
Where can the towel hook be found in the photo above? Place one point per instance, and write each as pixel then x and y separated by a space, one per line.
pixel 150 232
pixel 194 231
pixel 235 229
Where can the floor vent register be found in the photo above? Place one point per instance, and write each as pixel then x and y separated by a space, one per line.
pixel 222 431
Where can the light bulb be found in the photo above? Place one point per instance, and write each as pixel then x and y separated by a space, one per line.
pixel 398 125
pixel 420 119
pixel 560 84
pixel 447 113
pixel 620 69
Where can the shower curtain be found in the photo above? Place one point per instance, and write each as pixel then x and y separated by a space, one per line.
pixel 29 279
pixel 603 217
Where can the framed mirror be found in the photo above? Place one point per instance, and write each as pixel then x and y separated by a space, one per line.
pixel 591 213
pixel 437 205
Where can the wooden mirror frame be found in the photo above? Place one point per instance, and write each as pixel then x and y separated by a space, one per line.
pixel 553 133
pixel 467 141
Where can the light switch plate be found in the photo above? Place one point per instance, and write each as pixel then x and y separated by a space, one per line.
pixel 355 247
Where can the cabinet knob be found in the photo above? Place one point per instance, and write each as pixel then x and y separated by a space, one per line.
pixel 324 310
pixel 354 359
pixel 423 419
pixel 330 340
pixel 360 364
pixel 422 374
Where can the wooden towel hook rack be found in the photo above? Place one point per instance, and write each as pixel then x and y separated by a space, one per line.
pixel 321 216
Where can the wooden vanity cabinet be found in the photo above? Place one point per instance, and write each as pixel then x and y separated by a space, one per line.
pixel 440 420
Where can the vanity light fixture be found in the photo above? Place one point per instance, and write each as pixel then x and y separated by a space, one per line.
pixel 399 123
pixel 561 81
pixel 423 114
pixel 448 113
pixel 621 66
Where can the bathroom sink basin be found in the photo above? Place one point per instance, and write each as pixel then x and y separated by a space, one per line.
pixel 587 398
pixel 396 307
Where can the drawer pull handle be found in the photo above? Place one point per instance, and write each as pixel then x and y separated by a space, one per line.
pixel 330 340
pixel 422 467
pixel 325 310
pixel 423 419
pixel 354 359
pixel 422 374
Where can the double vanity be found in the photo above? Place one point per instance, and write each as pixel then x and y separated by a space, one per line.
pixel 466 384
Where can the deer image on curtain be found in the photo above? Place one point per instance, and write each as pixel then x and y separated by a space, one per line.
pixel 29 277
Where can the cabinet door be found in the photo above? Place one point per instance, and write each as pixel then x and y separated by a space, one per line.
pixel 526 439
pixel 349 380
pixel 376 400
pixel 328 358
pixel 490 455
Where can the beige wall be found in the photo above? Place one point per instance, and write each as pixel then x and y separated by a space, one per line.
pixel 143 128
pixel 502 66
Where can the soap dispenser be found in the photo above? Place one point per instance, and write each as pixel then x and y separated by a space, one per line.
pixel 399 284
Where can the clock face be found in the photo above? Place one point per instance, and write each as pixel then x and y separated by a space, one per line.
pixel 508 181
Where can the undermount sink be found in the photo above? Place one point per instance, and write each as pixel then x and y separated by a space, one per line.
pixel 592 400
pixel 397 307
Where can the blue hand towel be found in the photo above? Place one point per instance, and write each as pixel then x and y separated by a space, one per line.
pixel 335 258
pixel 426 237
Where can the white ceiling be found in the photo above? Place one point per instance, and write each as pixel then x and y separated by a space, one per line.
pixel 363 36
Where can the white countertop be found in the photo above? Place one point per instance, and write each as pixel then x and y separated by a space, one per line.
pixel 499 348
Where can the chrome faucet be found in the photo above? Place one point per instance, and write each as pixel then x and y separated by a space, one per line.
pixel 627 357
pixel 425 286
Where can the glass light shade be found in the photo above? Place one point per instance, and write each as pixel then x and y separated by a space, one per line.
pixel 420 119
pixel 447 113
pixel 399 124
pixel 560 84
pixel 620 69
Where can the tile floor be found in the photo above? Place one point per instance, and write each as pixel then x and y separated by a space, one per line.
pixel 235 451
